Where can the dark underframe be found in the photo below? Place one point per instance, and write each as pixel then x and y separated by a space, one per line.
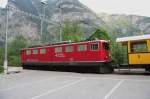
pixel 65 63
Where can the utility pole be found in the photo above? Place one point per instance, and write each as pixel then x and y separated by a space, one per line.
pixel 43 4
pixel 41 27
pixel 60 28
pixel 6 38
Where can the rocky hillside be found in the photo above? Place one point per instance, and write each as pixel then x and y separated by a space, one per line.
pixel 126 25
pixel 30 26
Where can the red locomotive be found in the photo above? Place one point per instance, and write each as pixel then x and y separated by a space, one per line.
pixel 87 53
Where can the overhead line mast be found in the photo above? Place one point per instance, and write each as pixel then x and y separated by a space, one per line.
pixel 61 17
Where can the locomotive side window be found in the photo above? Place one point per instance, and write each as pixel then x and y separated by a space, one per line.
pixel 69 49
pixel 58 49
pixel 28 52
pixel 42 51
pixel 82 47
pixel 105 46
pixel 35 51
pixel 94 46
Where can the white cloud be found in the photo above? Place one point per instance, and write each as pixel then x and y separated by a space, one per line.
pixel 3 3
pixel 139 7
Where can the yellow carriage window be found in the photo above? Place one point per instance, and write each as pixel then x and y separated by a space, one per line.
pixel 139 47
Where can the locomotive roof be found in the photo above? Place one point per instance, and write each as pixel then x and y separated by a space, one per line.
pixel 133 38
pixel 64 44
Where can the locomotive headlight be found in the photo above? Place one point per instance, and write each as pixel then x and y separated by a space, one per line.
pixel 106 57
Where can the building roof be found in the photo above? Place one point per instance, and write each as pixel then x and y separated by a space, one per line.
pixel 52 45
pixel 133 38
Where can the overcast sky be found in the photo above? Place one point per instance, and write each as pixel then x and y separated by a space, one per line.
pixel 138 7
pixel 3 3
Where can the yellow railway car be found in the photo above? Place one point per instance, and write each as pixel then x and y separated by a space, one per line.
pixel 138 48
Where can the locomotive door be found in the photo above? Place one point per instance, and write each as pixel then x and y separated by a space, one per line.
pixel 69 55
pixel 58 54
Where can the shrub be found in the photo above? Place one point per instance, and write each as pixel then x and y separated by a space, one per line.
pixel 14 50
pixel 71 31
pixel 118 53
pixel 1 69
pixel 14 60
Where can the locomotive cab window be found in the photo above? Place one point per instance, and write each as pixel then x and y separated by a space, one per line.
pixel 139 47
pixel 42 51
pixel 82 48
pixel 58 49
pixel 69 49
pixel 35 51
pixel 105 46
pixel 28 52
pixel 94 47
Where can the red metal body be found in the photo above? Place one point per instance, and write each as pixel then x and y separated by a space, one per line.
pixel 82 52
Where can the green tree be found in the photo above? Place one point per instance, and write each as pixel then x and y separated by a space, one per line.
pixel 118 53
pixel 1 69
pixel 14 50
pixel 71 31
pixel 1 56
pixel 1 60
